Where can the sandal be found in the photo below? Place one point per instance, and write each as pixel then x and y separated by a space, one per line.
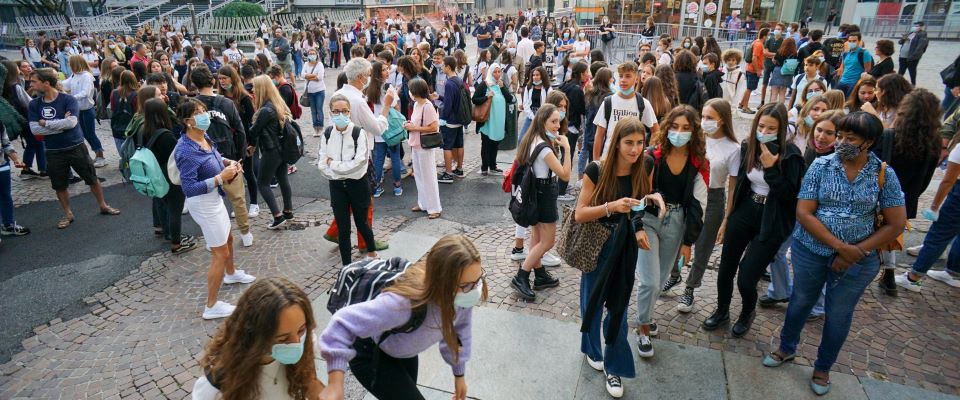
pixel 433 216
pixel 64 222
pixel 416 209
pixel 109 211
pixel 817 388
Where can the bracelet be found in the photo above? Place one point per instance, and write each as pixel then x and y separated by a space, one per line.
pixel 606 209
pixel 218 180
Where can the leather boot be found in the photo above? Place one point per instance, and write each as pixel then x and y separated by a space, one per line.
pixel 888 282
pixel 521 283
pixel 543 279
pixel 720 316
pixel 744 321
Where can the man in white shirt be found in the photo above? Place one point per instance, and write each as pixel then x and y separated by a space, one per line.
pixel 623 103
pixel 524 51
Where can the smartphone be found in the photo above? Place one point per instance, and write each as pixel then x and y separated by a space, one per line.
pixel 680 263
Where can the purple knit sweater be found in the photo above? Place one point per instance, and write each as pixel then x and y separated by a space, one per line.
pixel 387 311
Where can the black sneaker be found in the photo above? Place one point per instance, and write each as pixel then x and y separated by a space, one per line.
pixel 14 230
pixel 445 178
pixel 458 173
pixel 645 346
pixel 74 180
pixel 767 301
pixel 277 223
pixel 288 215
pixel 27 174
pixel 685 302
pixel 765 277
pixel 654 329
pixel 671 282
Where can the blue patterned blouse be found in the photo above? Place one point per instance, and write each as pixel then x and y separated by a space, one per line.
pixel 197 167
pixel 847 209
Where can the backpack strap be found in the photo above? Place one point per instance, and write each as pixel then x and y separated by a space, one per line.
pixel 356 138
pixel 607 105
pixel 157 134
pixel 640 106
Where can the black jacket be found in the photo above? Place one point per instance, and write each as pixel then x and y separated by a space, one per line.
pixel 711 80
pixel 576 105
pixel 265 132
pixel 686 84
pixel 614 286
pixel 780 210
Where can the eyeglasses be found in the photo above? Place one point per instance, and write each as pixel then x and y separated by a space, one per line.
pixel 336 113
pixel 467 287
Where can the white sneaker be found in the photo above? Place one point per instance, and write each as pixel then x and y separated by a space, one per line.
pixel 597 365
pixel 239 276
pixel 915 251
pixel 904 282
pixel 253 211
pixel 246 240
pixel 185 211
pixel 566 197
pixel 233 214
pixel 219 310
pixel 614 386
pixel 945 277
pixel 550 260
pixel 519 256
pixel 100 162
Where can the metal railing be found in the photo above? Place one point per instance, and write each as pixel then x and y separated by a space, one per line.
pixel 895 27
pixel 625 46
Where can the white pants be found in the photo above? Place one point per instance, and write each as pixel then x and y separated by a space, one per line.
pixel 425 174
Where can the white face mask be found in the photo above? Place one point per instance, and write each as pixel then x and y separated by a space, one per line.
pixel 709 126
pixel 469 299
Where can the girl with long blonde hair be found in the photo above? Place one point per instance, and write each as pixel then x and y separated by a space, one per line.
pixel 264 135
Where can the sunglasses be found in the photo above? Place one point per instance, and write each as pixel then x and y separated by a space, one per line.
pixel 467 287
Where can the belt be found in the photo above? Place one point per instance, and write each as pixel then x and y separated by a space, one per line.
pixel 758 198
pixel 673 206
pixel 546 181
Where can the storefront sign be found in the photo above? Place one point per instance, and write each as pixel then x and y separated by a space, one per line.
pixel 736 4
pixel 693 7
pixel 766 4
pixel 710 8
pixel 708 23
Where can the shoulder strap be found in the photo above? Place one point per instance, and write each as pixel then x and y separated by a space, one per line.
pixel 640 106
pixel 326 133
pixel 356 138
pixel 882 176
pixel 607 105
pixel 157 134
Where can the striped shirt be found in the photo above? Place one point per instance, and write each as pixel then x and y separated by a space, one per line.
pixel 197 167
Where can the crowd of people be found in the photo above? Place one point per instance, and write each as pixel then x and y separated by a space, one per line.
pixel 644 152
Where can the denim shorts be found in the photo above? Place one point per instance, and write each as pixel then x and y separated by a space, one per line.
pixel 452 137
pixel 753 81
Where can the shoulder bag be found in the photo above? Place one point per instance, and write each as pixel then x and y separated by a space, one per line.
pixel 896 244
pixel 430 140
pixel 579 244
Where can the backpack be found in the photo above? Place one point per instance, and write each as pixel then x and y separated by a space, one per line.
pixel 464 112
pixel 395 134
pixel 608 105
pixel 789 66
pixel 122 116
pixel 295 109
pixel 699 96
pixel 523 194
pixel 145 171
pixel 748 58
pixel 355 134
pixel 291 142
pixel 220 132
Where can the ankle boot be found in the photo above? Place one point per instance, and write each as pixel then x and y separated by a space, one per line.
pixel 720 316
pixel 521 283
pixel 744 321
pixel 888 282
pixel 543 279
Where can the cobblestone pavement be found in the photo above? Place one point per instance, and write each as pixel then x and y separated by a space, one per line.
pixel 143 334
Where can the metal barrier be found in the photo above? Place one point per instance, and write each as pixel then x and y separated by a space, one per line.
pixel 625 46
pixel 895 27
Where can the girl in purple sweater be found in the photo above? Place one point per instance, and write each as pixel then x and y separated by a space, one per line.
pixel 448 286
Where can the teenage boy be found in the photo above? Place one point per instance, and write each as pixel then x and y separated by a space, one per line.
pixel 450 127
pixel 53 115
pixel 811 72
pixel 621 104
pixel 734 80
pixel 856 60
pixel 812 46
pixel 754 68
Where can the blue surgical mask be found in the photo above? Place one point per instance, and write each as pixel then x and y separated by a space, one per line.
pixel 288 353
pixel 341 120
pixel 852 46
pixel 551 135
pixel 811 95
pixel 808 120
pixel 275 82
pixel 312 57
pixel 563 114
pixel 628 91
pixel 202 121
pixel 679 139
pixel 613 87
pixel 469 299
pixel 537 82
pixel 914 29
pixel 777 32
pixel 766 138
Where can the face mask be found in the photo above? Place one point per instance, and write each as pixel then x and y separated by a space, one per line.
pixel 808 120
pixel 537 83
pixel 686 45
pixel 199 43
pixel 75 42
pixel 275 82
pixel 811 95
pixel 852 46
pixel 563 114
pixel 112 46
pixel 288 353
pixel 847 151
pixel 627 92
pixel 822 149
pixel 679 139
pixel 551 135
pixel 582 35
pixel 777 32
pixel 341 121
pixel 613 88
pixel 86 49
pixel 709 126
pixel 842 35
pixel 822 59
pixel 227 86
pixel 914 29
pixel 312 57
pixel 765 138
pixel 469 299
pixel 202 121
pixel 566 35
pixel 789 30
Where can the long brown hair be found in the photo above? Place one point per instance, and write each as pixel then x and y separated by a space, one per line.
pixel 435 281
pixel 670 85
pixel 725 112
pixel 607 186
pixel 601 86
pixel 145 93
pixel 854 103
pixel 375 88
pixel 128 83
pixel 556 97
pixel 654 91
pixel 835 99
pixel 697 146
pixel 235 352
pixel 237 91
pixel 775 111
pixel 916 126
pixel 537 130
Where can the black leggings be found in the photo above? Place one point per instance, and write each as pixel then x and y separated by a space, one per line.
pixel 170 210
pixel 388 378
pixel 272 165
pixel 488 153
pixel 740 239
pixel 346 196
pixel 251 166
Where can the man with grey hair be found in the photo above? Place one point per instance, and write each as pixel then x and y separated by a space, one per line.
pixel 282 49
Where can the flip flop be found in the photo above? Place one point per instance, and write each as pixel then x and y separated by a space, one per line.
pixel 434 216
pixel 109 211
pixel 64 222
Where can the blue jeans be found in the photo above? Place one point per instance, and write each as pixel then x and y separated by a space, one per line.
pixel 523 130
pixel 846 88
pixel 316 108
pixel 949 101
pixel 781 284
pixel 87 120
pixel 654 265
pixel 6 197
pixel 811 272
pixel 33 148
pixel 297 63
pixel 119 142
pixel 942 232
pixel 380 151
pixel 617 357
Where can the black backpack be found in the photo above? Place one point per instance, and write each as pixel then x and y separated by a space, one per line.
pixel 122 116
pixel 291 142
pixel 608 106
pixel 355 134
pixel 523 191
pixel 464 111
pixel 699 96
pixel 220 131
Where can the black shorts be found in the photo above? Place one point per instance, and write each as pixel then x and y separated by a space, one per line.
pixel 59 163
pixel 753 81
pixel 767 74
pixel 547 192
pixel 452 137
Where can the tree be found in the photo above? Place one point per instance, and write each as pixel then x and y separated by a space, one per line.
pixel 240 9
pixel 46 7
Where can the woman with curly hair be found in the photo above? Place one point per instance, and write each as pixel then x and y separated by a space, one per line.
pixel 891 89
pixel 265 349
pixel 914 152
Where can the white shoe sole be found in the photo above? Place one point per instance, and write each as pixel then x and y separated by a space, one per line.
pixel 944 276
pixel 684 308
pixel 216 315
pixel 615 393
pixel 645 354
pixel 518 257
pixel 597 365
pixel 908 286
pixel 228 281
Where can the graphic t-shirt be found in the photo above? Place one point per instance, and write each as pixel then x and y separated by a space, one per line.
pixel 620 108
pixel 56 110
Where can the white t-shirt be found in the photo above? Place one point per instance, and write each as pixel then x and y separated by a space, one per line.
pixel 314 86
pixel 757 184
pixel 91 57
pixel 581 46
pixel 233 54
pixel 954 156
pixel 724 156
pixel 270 373
pixel 540 168
pixel 619 108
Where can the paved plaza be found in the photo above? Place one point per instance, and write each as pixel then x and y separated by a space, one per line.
pixel 101 311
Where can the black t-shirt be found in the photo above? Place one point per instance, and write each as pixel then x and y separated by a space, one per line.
pixel 882 68
pixel 808 50
pixel 672 187
pixel 832 49
pixel 624 186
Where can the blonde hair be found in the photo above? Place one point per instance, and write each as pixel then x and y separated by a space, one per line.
pixel 264 91
pixel 78 64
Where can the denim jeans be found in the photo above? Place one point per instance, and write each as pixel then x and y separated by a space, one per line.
pixel 713 218
pixel 617 357
pixel 846 88
pixel 88 120
pixel 33 148
pixel 654 265
pixel 380 151
pixel 523 129
pixel 6 195
pixel 949 101
pixel 781 282
pixel 316 108
pixel 811 272
pixel 297 63
pixel 942 232
pixel 119 143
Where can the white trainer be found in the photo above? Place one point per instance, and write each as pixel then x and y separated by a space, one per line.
pixel 915 251
pixel 239 276
pixel 597 365
pixel 614 386
pixel 246 240
pixel 253 211
pixel 945 277
pixel 550 260
pixel 903 281
pixel 219 310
